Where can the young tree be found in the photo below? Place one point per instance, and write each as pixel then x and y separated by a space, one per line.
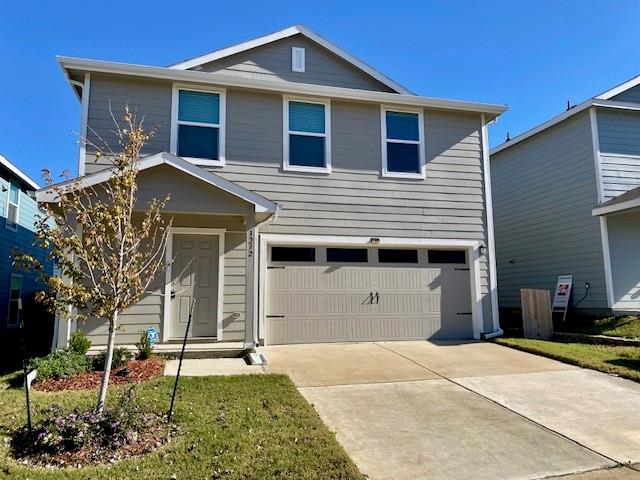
pixel 106 251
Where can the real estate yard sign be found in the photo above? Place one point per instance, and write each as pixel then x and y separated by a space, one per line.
pixel 561 297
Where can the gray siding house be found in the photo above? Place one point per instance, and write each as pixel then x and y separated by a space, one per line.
pixel 567 201
pixel 314 199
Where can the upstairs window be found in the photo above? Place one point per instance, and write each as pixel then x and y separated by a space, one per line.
pixel 198 126
pixel 13 207
pixel 307 140
pixel 402 144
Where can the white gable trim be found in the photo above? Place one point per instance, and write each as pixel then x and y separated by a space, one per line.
pixel 47 194
pixel 623 87
pixel 289 32
pixel 18 173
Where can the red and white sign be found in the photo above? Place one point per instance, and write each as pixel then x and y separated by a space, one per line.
pixel 563 292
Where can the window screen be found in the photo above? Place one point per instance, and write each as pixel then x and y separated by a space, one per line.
pixel 293 254
pixel 347 255
pixel 397 255
pixel 447 256
pixel 307 134
pixel 403 142
pixel 198 124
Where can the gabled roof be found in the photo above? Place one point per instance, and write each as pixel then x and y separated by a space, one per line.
pixel 47 194
pixel 289 32
pixel 84 65
pixel 627 200
pixel 602 100
pixel 18 173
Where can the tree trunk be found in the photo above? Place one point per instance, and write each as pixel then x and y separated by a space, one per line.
pixel 102 394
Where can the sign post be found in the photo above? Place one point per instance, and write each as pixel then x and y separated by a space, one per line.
pixel 562 295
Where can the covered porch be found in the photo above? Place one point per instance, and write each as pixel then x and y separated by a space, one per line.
pixel 210 263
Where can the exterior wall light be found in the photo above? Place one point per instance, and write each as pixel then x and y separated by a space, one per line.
pixel 374 241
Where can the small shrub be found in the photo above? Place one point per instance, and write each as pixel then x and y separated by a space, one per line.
pixel 145 347
pixel 79 342
pixel 120 358
pixel 59 436
pixel 60 364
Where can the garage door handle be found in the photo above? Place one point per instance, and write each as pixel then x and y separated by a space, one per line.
pixel 275 316
pixel 279 267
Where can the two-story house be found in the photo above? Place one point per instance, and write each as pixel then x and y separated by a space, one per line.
pixel 17 226
pixel 314 199
pixel 567 201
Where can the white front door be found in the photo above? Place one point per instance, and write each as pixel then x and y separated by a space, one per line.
pixel 194 277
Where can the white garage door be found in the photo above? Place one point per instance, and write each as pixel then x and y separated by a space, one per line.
pixel 326 294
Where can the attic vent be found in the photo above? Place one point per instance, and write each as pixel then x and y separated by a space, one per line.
pixel 297 59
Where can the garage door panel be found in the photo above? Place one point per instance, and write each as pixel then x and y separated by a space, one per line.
pixel 337 302
pixel 346 329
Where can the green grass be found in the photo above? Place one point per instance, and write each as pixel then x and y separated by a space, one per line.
pixel 623 361
pixel 243 427
pixel 625 326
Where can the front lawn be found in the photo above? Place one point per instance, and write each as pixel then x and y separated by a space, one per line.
pixel 627 326
pixel 253 426
pixel 623 361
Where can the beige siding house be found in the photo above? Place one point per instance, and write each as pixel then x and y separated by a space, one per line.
pixel 314 199
pixel 567 202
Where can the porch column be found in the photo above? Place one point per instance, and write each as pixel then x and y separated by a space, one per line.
pixel 251 288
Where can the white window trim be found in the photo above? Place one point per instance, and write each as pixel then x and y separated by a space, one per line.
pixel 421 174
pixel 222 123
pixel 7 225
pixel 294 66
pixel 13 275
pixel 286 132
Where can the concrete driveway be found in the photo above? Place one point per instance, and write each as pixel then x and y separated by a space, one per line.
pixel 409 410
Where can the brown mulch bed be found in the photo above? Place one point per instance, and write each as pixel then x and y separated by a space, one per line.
pixel 136 371
pixel 146 442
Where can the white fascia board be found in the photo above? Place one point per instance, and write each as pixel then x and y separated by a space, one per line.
pixel 235 49
pixel 613 104
pixel 543 126
pixel 69 63
pixel 18 173
pixel 616 207
pixel 623 87
pixel 289 32
pixel 592 102
pixel 47 194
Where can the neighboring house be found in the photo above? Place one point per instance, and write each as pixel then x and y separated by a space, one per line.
pixel 321 200
pixel 17 227
pixel 567 201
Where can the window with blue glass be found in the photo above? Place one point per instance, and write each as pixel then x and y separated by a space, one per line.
pixel 198 129
pixel 402 149
pixel 13 207
pixel 307 144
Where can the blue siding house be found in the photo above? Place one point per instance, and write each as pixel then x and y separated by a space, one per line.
pixel 19 212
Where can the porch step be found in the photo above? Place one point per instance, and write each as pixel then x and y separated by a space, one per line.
pixel 192 350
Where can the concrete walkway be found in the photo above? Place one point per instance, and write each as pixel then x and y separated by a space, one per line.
pixel 406 410
pixel 205 367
